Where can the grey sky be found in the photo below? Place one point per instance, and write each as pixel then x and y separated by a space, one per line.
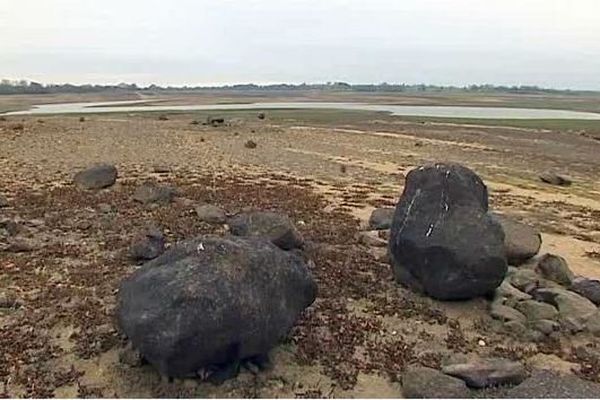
pixel 553 43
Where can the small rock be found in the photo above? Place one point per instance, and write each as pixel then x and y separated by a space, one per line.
pixel 588 288
pixel 423 383
pixel 525 280
pixel 105 208
pixel 508 294
pixel 8 301
pixel 556 269
pixel 261 115
pixel 148 246
pixel 150 193
pixel 163 118
pixel 535 310
pixel 161 169
pixel 215 121
pixel 487 372
pixel 573 309
pixel 250 144
pixel 593 324
pixel 21 245
pixel 3 201
pixel 516 328
pixel 131 357
pixel 555 179
pixel 370 238
pixel 8 227
pixel 98 176
pixel 276 227
pixel 381 218
pixel 521 242
pixel 504 313
pixel 211 214
pixel 549 384
pixel 546 326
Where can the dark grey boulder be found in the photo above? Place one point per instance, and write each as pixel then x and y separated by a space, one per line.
pixel 98 176
pixel 487 372
pixel 555 268
pixel 151 193
pixel 426 383
pixel 553 178
pixel 443 241
pixel 521 241
pixel 212 302
pixel 588 288
pixel 381 218
pixel 148 246
pixel 277 228
pixel 544 384
pixel 211 214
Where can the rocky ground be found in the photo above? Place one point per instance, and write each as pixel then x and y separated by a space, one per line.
pixel 64 250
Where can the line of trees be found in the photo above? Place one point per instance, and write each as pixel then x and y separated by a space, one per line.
pixel 29 87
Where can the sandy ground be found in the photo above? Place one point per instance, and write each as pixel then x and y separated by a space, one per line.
pixel 327 174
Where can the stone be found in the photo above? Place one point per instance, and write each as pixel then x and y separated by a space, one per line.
pixel 588 288
pixel 545 326
pixel 593 324
pixel 148 246
pixel 556 269
pixel 278 228
pixel 151 193
pixel 213 301
pixel 211 214
pixel 487 372
pixel 96 177
pixel 131 357
pixel 553 178
pixel 508 294
pixel 505 313
pixel 22 245
pixel 535 310
pixel 516 328
pixel 8 227
pixel 3 201
pixel 443 241
pixel 250 144
pixel 551 385
pixel 521 241
pixel 261 115
pixel 381 218
pixel 371 238
pixel 423 383
pixel 526 280
pixel 573 309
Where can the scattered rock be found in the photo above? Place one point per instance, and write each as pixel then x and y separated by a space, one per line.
pixel 275 227
pixel 105 208
pixel 443 241
pixel 213 301
pixel 3 201
pixel 489 372
pixel 96 177
pixel 371 238
pixel 8 227
pixel 516 328
pixel 211 214
pixel 148 246
pixel 261 115
pixel 163 118
pixel 7 300
pixel 250 144
pixel 381 218
pixel 150 193
pixel 424 383
pixel 215 121
pixel 593 324
pixel 81 119
pixel 521 242
pixel 549 384
pixel 161 169
pixel 21 245
pixel 505 313
pixel 555 179
pixel 588 288
pixel 573 309
pixel 556 269
pixel 535 310
pixel 131 357
pixel 526 280
pixel 507 294
pixel 546 326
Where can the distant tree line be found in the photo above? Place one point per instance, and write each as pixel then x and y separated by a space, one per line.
pixel 29 87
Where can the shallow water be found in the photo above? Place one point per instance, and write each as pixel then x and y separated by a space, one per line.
pixel 421 111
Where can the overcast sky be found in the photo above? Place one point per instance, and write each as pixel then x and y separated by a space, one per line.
pixel 552 43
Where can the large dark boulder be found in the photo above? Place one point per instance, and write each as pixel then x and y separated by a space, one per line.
pixel 278 228
pixel 443 241
pixel 213 301
pixel 521 241
pixel 96 177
